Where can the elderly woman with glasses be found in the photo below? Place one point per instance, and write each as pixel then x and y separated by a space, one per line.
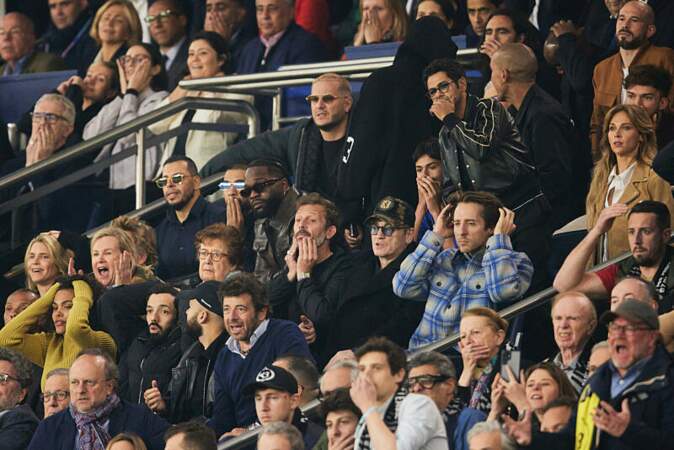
pixel 143 83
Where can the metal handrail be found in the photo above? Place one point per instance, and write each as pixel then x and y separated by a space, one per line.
pixel 516 309
pixel 130 127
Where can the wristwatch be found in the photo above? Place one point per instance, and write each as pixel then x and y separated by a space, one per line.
pixel 303 275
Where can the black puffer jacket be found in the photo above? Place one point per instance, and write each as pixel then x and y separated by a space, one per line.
pixel 148 360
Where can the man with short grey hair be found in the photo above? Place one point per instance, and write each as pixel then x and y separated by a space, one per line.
pixel 338 375
pixel 489 435
pixel 96 414
pixel 279 436
pixel 17 48
pixel 17 422
pixel 56 394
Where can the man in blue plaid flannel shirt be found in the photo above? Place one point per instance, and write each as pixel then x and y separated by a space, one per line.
pixel 481 269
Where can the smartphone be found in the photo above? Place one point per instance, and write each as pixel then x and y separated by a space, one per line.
pixel 511 356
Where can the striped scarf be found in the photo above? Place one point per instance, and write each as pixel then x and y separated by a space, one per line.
pixel 390 417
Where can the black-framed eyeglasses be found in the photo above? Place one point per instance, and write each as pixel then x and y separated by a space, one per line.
pixel 59 395
pixel 614 328
pixel 160 16
pixel 129 60
pixel 46 117
pixel 176 178
pixel 328 98
pixel 227 185
pixel 386 229
pixel 425 381
pixel 259 187
pixel 5 378
pixel 442 87
pixel 216 255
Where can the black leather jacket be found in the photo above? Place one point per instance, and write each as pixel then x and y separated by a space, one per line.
pixel 191 390
pixel 484 152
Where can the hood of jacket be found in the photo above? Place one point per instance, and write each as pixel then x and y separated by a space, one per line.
pixel 428 39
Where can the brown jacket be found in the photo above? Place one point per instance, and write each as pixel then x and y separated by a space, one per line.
pixel 645 184
pixel 607 81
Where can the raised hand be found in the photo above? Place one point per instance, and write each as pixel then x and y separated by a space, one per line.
pixel 234 213
pixel 291 261
pixel 611 421
pixel 372 28
pixel 444 224
pixel 519 431
pixel 153 398
pixel 123 269
pixel 308 254
pixel 307 328
pixel 506 222
pixel 608 215
pixel 442 106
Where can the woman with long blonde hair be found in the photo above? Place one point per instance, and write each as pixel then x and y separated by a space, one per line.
pixel 44 261
pixel 623 176
pixel 381 21
pixel 115 28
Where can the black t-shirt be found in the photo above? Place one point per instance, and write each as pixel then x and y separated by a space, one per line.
pixel 329 163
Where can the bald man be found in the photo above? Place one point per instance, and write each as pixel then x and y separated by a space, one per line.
pixel 574 319
pixel 544 126
pixel 634 28
pixel 636 288
pixel 17 48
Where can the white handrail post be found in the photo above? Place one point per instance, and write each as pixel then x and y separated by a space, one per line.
pixel 140 168
pixel 276 110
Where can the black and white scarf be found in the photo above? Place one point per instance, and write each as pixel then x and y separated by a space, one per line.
pixel 390 417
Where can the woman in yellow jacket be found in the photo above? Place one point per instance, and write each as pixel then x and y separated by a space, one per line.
pixel 623 175
pixel 69 304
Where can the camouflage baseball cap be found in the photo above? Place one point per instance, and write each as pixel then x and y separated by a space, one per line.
pixel 397 212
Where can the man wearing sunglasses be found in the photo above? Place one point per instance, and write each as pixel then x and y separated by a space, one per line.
pixel 311 149
pixel 188 213
pixel 272 202
pixel 17 422
pixel 367 305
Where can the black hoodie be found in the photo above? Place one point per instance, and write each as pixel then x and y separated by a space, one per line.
pixel 392 117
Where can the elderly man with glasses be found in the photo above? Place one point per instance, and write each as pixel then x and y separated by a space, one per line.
pixel 629 401
pixel 188 213
pixel 17 422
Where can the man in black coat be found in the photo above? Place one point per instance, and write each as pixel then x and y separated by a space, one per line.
pixel 546 130
pixel 367 305
pixel 151 356
pixel 68 35
pixel 17 422
pixel 392 117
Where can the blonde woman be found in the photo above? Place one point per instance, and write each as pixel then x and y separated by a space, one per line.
pixel 126 441
pixel 44 261
pixel 623 176
pixel 115 28
pixel 114 260
pixel 381 21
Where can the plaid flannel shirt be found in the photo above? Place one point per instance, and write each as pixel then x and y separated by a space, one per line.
pixel 452 282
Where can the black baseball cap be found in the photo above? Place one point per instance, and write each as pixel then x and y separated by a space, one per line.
pixel 206 294
pixel 272 377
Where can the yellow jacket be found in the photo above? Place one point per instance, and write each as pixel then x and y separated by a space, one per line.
pixel 50 350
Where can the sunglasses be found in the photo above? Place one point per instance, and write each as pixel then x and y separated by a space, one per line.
pixel 161 16
pixel 226 185
pixel 176 178
pixel 326 98
pixel 386 229
pixel 443 88
pixel 258 187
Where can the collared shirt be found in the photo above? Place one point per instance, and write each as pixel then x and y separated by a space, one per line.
pixel 620 383
pixel 617 182
pixel 172 52
pixel 420 425
pixel 234 347
pixel 576 371
pixel 452 282
pixel 271 41
pixel 18 67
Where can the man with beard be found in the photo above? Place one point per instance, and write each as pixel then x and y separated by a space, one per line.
pixel 255 342
pixel 649 229
pixel 309 286
pixel 187 214
pixel 272 201
pixel 151 356
pixel 311 148
pixel 634 28
pixel 190 393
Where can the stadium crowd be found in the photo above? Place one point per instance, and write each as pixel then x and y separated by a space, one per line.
pixel 338 249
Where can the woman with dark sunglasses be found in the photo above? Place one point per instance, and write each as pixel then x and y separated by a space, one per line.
pixel 143 86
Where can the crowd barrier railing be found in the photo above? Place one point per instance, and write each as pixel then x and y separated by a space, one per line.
pixel 524 305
